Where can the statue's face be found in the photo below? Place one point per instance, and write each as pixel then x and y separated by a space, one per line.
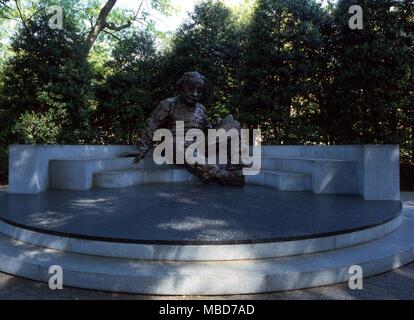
pixel 193 90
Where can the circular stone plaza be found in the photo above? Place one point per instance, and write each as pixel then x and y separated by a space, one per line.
pixel 309 216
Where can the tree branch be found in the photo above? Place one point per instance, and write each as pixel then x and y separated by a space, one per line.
pixel 10 18
pixel 5 4
pixel 20 13
pixel 35 13
pixel 111 34
pixel 113 27
pixel 100 23
pixel 138 10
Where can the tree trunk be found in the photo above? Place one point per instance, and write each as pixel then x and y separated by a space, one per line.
pixel 100 23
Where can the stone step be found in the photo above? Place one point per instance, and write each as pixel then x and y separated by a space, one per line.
pixel 330 176
pixel 198 252
pixel 128 178
pixel 77 174
pixel 282 180
pixel 209 278
pixel 300 164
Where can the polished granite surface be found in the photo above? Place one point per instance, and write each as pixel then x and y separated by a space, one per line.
pixel 193 214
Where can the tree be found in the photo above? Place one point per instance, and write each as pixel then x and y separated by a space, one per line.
pixel 284 59
pixel 209 43
pixel 101 23
pixel 370 97
pixel 102 18
pixel 127 96
pixel 45 92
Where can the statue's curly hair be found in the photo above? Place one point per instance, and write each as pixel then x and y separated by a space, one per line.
pixel 190 75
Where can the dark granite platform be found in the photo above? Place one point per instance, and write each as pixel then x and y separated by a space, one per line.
pixel 193 214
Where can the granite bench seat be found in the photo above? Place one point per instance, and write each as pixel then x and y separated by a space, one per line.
pixel 328 175
pixel 282 180
pixel 128 178
pixel 77 174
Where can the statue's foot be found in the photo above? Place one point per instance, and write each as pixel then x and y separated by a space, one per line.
pixel 204 173
pixel 204 180
pixel 212 173
pixel 233 167
pixel 231 178
pixel 236 167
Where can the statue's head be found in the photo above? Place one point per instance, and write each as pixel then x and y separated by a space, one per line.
pixel 192 87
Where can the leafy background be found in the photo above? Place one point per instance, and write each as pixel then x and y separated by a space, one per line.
pixel 291 67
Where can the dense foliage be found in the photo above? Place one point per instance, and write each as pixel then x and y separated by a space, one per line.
pixel 283 70
pixel 46 85
pixel 44 96
pixel 207 42
pixel 291 67
pixel 370 98
pixel 130 92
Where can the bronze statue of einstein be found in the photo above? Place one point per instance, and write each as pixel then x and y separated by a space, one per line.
pixel 187 107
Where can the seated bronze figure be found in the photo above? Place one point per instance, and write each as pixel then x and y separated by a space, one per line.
pixel 187 107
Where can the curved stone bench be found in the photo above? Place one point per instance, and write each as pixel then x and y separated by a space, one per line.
pixel 284 181
pixel 282 173
pixel 369 170
pixel 328 175
pixel 77 174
